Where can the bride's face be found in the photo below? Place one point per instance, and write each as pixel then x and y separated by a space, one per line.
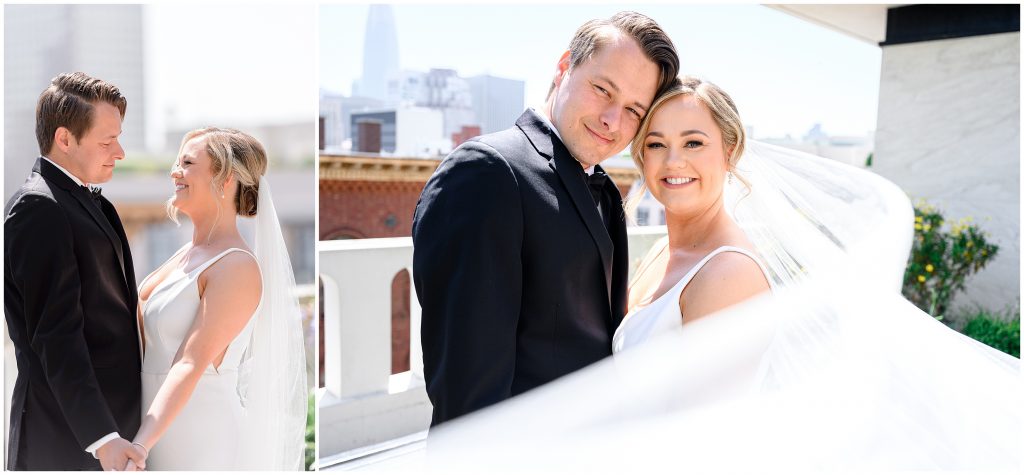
pixel 684 157
pixel 192 175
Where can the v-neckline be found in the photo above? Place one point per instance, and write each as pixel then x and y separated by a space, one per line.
pixel 179 270
pixel 168 278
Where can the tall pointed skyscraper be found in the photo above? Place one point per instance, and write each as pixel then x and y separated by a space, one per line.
pixel 380 54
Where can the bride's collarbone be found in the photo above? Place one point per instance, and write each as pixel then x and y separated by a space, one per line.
pixel 666 271
pixel 196 256
pixel 664 274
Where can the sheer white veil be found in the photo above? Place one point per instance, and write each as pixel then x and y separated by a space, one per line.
pixel 272 382
pixel 833 371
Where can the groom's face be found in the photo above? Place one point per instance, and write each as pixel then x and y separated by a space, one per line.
pixel 598 105
pixel 92 156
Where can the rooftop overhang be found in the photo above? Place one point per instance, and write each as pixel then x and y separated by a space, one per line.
pixel 863 22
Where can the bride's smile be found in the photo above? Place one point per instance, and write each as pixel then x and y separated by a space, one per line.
pixel 685 160
pixel 193 177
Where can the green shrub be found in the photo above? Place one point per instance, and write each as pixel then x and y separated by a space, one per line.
pixel 999 333
pixel 943 256
pixel 311 431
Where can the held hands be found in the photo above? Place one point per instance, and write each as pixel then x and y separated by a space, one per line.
pixel 135 465
pixel 121 455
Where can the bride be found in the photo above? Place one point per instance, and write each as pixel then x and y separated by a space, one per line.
pixel 706 263
pixel 765 332
pixel 223 374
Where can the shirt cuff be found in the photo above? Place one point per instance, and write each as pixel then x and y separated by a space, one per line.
pixel 99 443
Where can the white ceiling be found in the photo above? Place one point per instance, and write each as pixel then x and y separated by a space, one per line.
pixel 864 22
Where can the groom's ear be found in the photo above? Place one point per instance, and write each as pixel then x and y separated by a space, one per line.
pixel 562 68
pixel 62 139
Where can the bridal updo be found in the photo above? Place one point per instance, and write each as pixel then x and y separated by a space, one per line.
pixel 235 153
pixel 723 111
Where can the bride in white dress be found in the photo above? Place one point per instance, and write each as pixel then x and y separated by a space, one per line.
pixel 765 333
pixel 706 263
pixel 222 375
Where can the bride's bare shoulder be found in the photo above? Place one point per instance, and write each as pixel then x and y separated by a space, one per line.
pixel 726 280
pixel 236 276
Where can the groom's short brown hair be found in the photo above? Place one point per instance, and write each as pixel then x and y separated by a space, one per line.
pixel 68 103
pixel 654 42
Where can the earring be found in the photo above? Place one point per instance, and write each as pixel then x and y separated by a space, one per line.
pixel 729 179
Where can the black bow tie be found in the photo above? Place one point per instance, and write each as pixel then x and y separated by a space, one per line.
pixel 596 181
pixel 94 193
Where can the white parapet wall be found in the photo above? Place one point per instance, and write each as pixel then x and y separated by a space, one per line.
pixel 949 132
pixel 362 405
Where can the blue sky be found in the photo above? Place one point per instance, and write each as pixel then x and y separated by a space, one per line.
pixel 784 73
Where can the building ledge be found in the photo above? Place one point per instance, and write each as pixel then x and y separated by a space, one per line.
pixel 363 167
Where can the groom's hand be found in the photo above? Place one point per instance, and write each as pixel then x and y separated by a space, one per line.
pixel 114 455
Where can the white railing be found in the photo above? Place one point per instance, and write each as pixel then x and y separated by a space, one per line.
pixel 363 407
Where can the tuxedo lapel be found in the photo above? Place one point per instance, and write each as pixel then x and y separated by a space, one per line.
pixel 57 177
pixel 571 174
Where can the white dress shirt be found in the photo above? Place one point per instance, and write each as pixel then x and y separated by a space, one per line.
pixel 73 178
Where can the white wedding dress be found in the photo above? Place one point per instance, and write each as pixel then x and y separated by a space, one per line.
pixel 206 435
pixel 833 370
pixel 662 315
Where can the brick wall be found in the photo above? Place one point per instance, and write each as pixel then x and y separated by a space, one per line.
pixel 367 209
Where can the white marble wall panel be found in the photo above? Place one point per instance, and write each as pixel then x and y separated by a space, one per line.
pixel 949 131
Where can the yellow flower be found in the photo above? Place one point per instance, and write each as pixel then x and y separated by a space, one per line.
pixel 921 278
pixel 927 227
pixel 917 227
pixel 929 268
pixel 970 243
pixel 918 219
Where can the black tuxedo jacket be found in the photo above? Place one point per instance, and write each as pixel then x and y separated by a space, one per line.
pixel 70 305
pixel 519 279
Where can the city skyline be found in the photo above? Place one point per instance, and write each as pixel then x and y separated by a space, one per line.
pixel 785 74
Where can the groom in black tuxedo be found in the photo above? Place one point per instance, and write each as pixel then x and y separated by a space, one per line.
pixel 69 289
pixel 520 253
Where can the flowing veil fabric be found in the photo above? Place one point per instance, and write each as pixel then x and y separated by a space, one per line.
pixel 273 379
pixel 833 371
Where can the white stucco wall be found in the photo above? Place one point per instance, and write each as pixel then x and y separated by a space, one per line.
pixel 949 131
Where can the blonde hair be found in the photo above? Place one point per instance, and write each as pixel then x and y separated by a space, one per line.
pixel 723 111
pixel 232 153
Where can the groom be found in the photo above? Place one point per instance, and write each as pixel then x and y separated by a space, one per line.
pixel 520 253
pixel 69 289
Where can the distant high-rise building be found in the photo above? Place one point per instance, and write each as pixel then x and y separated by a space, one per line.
pixel 380 54
pixel 41 41
pixel 408 130
pixel 438 89
pixel 332 134
pixel 497 102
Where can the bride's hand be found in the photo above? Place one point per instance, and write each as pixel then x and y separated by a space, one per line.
pixel 137 458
